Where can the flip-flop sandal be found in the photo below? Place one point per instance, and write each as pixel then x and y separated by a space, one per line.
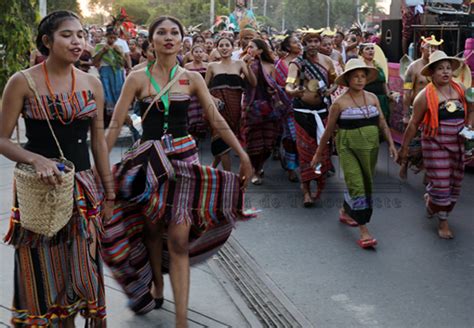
pixel 350 222
pixel 256 181
pixel 367 243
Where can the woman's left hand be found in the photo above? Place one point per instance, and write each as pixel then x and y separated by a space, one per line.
pixel 393 153
pixel 246 170
pixel 108 210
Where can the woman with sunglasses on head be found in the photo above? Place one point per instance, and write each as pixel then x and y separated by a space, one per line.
pixel 164 194
pixel 60 276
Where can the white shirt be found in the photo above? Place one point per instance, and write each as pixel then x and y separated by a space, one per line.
pixel 236 54
pixel 123 44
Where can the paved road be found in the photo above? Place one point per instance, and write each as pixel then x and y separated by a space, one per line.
pixel 412 279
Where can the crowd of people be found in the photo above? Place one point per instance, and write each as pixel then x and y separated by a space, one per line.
pixel 299 98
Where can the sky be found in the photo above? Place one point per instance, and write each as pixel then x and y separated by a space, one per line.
pixel 84 7
pixel 86 12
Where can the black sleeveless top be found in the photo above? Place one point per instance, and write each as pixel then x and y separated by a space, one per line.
pixel 177 119
pixel 76 114
pixel 225 80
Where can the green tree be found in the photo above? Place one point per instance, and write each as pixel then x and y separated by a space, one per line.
pixel 105 4
pixel 189 12
pixel 71 5
pixel 15 37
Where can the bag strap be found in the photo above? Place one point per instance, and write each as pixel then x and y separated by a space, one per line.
pixel 164 90
pixel 32 85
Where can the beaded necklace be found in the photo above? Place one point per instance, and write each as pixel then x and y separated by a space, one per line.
pixel 54 98
pixel 366 111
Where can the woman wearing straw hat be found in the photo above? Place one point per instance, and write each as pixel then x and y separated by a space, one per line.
pixel 57 277
pixel 358 115
pixel 442 110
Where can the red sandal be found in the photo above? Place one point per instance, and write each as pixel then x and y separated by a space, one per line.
pixel 367 243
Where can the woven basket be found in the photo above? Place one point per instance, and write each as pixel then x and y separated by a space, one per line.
pixel 44 209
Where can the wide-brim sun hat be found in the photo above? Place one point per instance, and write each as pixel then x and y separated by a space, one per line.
pixel 437 57
pixel 355 64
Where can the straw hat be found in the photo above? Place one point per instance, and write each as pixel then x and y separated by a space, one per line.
pixel 354 64
pixel 438 56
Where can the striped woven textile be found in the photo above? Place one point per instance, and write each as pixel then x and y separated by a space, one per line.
pixel 281 72
pixel 59 277
pixel 197 124
pixel 232 110
pixel 307 145
pixel 289 153
pixel 81 106
pixel 259 141
pixel 443 158
pixel 209 199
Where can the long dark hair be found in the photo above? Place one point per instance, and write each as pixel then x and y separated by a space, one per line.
pixel 266 55
pixel 49 24
pixel 156 23
pixel 285 45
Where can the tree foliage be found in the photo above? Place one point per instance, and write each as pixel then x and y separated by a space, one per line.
pixel 72 5
pixel 296 13
pixel 17 17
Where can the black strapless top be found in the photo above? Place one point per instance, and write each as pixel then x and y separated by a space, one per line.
pixel 72 138
pixel 77 110
pixel 227 80
pixel 444 114
pixel 177 119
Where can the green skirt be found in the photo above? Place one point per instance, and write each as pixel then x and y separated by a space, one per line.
pixel 358 151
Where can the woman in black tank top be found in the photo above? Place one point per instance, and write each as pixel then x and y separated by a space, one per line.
pixel 166 122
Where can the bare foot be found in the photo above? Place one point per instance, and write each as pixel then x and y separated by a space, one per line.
pixel 366 240
pixel 403 171
pixel 443 230
pixel 346 219
pixel 364 232
pixel 157 290
pixel 292 176
pixel 307 200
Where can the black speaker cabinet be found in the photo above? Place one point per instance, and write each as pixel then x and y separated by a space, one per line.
pixel 391 42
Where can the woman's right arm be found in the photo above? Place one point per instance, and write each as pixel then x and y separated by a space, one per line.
pixel 248 73
pixel 126 98
pixel 209 74
pixel 12 104
pixel 419 109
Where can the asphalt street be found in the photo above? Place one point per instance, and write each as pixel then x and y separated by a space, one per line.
pixel 411 279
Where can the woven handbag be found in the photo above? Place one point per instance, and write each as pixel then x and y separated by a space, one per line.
pixel 44 209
